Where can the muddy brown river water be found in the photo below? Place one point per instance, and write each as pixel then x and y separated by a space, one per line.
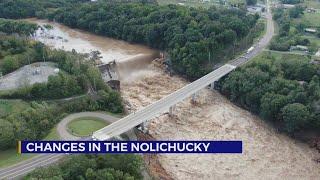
pixel 62 37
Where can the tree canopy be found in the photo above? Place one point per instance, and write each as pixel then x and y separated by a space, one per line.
pixel 190 35
pixel 91 167
pixel 284 90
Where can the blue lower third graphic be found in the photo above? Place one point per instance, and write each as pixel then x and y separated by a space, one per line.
pixel 130 147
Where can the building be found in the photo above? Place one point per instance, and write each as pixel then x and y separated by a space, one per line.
pixel 110 75
pixel 318 53
pixel 311 10
pixel 287 6
pixel 299 48
pixel 310 30
pixel 254 10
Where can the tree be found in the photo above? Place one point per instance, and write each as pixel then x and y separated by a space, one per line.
pixel 251 2
pixel 271 105
pixel 295 116
pixel 6 134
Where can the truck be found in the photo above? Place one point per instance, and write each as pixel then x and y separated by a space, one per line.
pixel 250 49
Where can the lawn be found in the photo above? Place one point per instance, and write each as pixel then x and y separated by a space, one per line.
pixel 311 19
pixel 85 126
pixel 11 106
pixel 312 4
pixel 10 156
pixel 279 55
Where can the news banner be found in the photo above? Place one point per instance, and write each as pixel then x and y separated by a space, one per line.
pixel 129 147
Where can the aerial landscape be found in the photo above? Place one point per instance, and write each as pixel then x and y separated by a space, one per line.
pixel 161 70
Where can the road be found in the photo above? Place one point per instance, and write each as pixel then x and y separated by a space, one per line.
pixel 24 167
pixel 125 124
pixel 258 48
pixel 132 120
pixel 62 126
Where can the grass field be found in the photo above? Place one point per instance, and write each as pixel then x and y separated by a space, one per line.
pixel 311 19
pixel 10 156
pixel 267 54
pixel 11 106
pixel 312 4
pixel 85 126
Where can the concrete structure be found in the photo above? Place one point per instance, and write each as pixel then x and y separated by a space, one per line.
pixel 299 48
pixel 310 30
pixel 318 53
pixel 287 6
pixel 254 10
pixel 163 105
pixel 110 75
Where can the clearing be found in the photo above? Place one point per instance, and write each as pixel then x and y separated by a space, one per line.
pixel 85 126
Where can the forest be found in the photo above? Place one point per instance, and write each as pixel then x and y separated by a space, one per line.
pixel 91 167
pixel 196 39
pixel 77 76
pixel 19 27
pixel 282 89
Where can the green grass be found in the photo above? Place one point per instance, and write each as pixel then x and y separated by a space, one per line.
pixel 278 55
pixel 11 106
pixel 313 39
pixel 85 126
pixel 10 157
pixel 312 4
pixel 311 19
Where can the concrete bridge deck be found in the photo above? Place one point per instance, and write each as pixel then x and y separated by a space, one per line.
pixel 160 106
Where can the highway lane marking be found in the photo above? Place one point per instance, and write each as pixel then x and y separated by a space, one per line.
pixel 31 167
pixel 44 157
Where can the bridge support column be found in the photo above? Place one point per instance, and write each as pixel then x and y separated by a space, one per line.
pixel 212 86
pixel 143 127
pixel 171 110
pixel 194 98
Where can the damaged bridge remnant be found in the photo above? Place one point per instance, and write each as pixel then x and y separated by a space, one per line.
pixel 110 74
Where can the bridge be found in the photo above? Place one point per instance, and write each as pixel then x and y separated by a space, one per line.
pixel 168 103
pixel 161 106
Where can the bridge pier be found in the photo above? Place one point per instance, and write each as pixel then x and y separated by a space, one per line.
pixel 194 98
pixel 171 110
pixel 212 85
pixel 143 127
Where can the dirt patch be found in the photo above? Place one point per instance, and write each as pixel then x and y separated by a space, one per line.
pixel 154 167
pixel 267 154
pixel 27 75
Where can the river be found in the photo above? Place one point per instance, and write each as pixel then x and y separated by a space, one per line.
pixel 62 37
pixel 267 153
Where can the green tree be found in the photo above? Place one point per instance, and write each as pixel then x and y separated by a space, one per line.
pixel 295 116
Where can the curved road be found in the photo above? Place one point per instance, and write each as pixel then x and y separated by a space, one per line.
pixel 22 168
pixel 65 135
